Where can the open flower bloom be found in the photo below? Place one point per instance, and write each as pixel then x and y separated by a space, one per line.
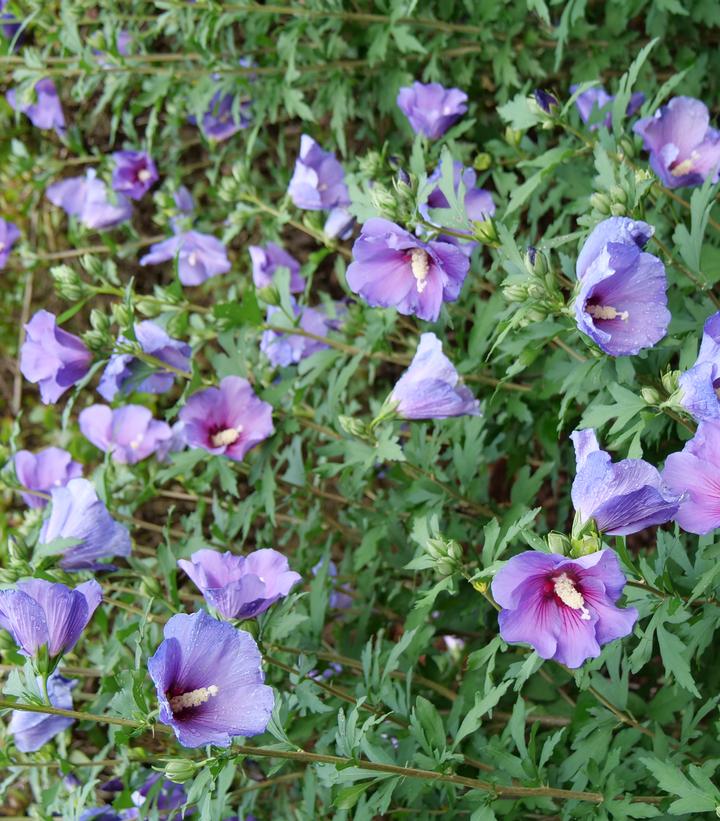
pixel 39 613
pixel 199 256
pixel 43 471
pixel 225 116
pixel 77 513
pixel 563 608
pixel 51 357
pixel 338 600
pixel 283 349
pixel 430 108
pixel 32 730
pixel 478 202
pixel 134 173
pixel 430 388
pixel 89 199
pixel 129 434
pixel 622 497
pixel 125 373
pixel 591 102
pixel 266 259
pixel 240 587
pixel 9 235
pixel 228 420
pixel 622 299
pixel 46 112
pixel 209 682
pixel 318 181
pixel 684 149
pixel 694 472
pixel 701 384
pixel 393 269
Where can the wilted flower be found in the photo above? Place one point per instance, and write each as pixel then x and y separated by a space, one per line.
pixel 684 149
pixel 77 513
pixel 209 682
pixel 591 102
pixel 622 301
pixel 545 100
pixel 318 181
pixel 622 498
pixel 32 730
pixel 563 608
pixel 51 357
pixel 39 613
pixel 43 471
pixel 430 108
pixel 240 587
pixel 339 600
pixel 228 420
pixel 129 434
pixel 46 112
pixel 266 259
pixel 9 235
pixel 392 268
pixel 430 388
pixel 283 349
pixel 478 202
pixel 134 173
pixel 89 199
pixel 339 223
pixel 125 373
pixel 701 384
pixel 199 256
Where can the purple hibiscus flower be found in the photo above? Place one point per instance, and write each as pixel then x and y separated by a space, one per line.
pixel 240 587
pixel 339 223
pixel 43 471
pixel 565 609
pixel 209 682
pixel 266 259
pixel 225 114
pixel 9 235
pixel 622 301
pixel 622 498
pixel 46 112
pixel 10 25
pixel 478 202
pixel 430 388
pixel 129 434
pixel 694 472
pixel 545 100
pixel 199 256
pixel 77 513
pixel 165 796
pixel 125 373
pixel 701 384
pixel 32 730
pixel 339 600
pixel 392 268
pixel 684 149
pixel 283 349
pixel 51 357
pixel 38 613
pixel 134 173
pixel 89 199
pixel 318 181
pixel 228 420
pixel 430 108
pixel 591 103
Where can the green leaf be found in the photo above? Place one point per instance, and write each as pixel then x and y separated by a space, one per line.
pixel 482 705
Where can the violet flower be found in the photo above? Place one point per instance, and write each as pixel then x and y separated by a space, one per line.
pixel 392 268
pixel 338 600
pixel 223 116
pixel 593 101
pixel 318 181
pixel 38 613
pixel 283 349
pixel 77 513
pixel 240 587
pixel 10 25
pixel 701 384
pixel 174 444
pixel 430 108
pixel 169 796
pixel 622 300
pixel 622 497
pixel 46 112
pixel 694 472
pixel 267 259
pixel 430 388
pixel 684 149
pixel 32 730
pixel 478 202
pixel 89 199
pixel 209 682
pixel 9 235
pixel 184 200
pixel 228 420
pixel 51 357
pixel 134 174
pixel 545 100
pixel 199 256
pixel 125 373
pixel 129 434
pixel 42 471
pixel 565 609
pixel 340 223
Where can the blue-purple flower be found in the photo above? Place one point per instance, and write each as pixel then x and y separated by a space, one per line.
pixel 240 587
pixel 51 357
pixel 393 269
pixel 684 149
pixel 701 384
pixel 225 115
pixel 134 173
pixel 129 434
pixel 430 388
pixel 209 682
pixel 338 600
pixel 478 202
pixel 46 112
pixel 339 223
pixel 545 100
pixel 318 181
pixel 622 301
pixel 565 609
pixel 199 256
pixel 164 796
pixel 9 235
pixel 622 497
pixel 283 349
pixel 90 200
pixel 32 730
pixel 266 259
pixel 10 25
pixel 42 471
pixel 430 108
pixel 591 103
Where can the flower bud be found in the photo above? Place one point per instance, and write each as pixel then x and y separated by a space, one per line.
pixel 68 283
pixel 617 209
pixel 18 551
pixel 513 137
pixel 148 307
pixel 100 321
pixel 180 770
pixel 482 162
pixel 122 314
pixel 536 314
pixel 485 232
pixel 627 146
pixel 383 200
pixel 96 341
pixel 269 295
pixel 619 194
pixel 150 587
pixel 651 395
pixel 515 292
pixel 590 543
pixel 355 427
pixel 670 381
pixel 559 543
pixel 601 202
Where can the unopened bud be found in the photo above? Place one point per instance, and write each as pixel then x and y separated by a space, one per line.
pixel 618 194
pixel 100 321
pixel 589 543
pixel 627 146
pixel 96 341
pixel 515 292
pixel 559 543
pixel 482 162
pixel 68 283
pixel 485 232
pixel 93 265
pixel 18 551
pixel 382 199
pixel 150 587
pixel 180 770
pixel 670 381
pixel 513 137
pixel 122 314
pixel 536 314
pixel 355 427
pixel 148 307
pixel 617 209
pixel 651 395
pixel 269 295
pixel 600 202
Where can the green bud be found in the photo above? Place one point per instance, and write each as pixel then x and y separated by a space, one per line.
pixel 600 202
pixel 619 194
pixel 559 543
pixel 19 551
pixel 589 543
pixel 536 314
pixel 180 770
pixel 355 427
pixel 96 341
pixel 100 321
pixel 269 295
pixel 93 265
pixel 383 200
pixel 513 137
pixel 482 161
pixel 670 381
pixel 122 314
pixel 445 567
pixel 627 146
pixel 486 232
pixel 651 395
pixel 515 292
pixel 150 587
pixel 617 209
pixel 148 307
pixel 68 283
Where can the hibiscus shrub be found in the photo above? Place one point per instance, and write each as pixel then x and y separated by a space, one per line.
pixel 361 410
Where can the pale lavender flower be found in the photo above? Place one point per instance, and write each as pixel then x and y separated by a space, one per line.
pixel 129 434
pixel 318 181
pixel 9 235
pixel 701 384
pixel 43 471
pixel 266 259
pixel 134 174
pixel 10 25
pixel 174 444
pixel 478 202
pixel 591 103
pixel 32 730
pixel 199 256
pixel 430 108
pixel 46 112
pixel 167 796
pixel 89 199
pixel 340 223
pixel 339 600
pixel 283 349
pixel 225 116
